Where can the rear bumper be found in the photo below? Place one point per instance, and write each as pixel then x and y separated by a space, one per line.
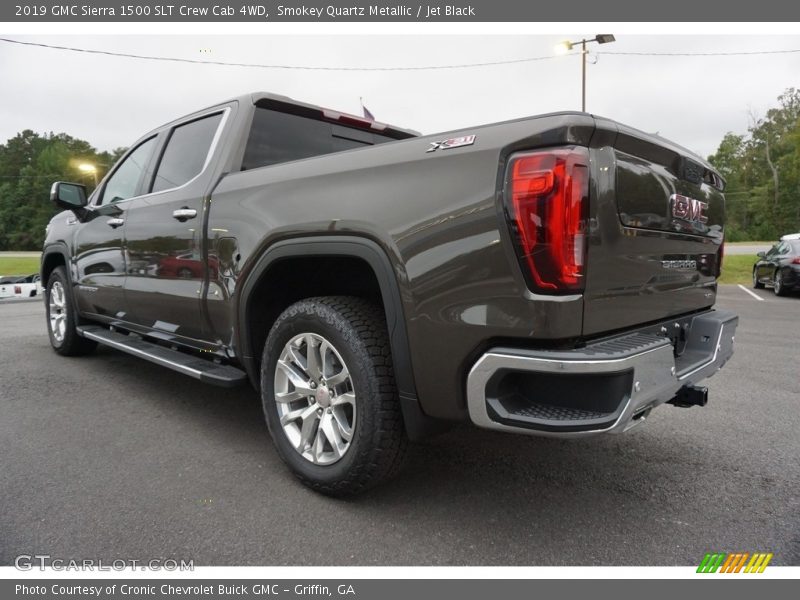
pixel 607 387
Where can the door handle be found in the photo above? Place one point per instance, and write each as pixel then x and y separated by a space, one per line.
pixel 184 214
pixel 115 222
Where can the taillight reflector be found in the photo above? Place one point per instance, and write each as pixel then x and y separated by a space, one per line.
pixel 547 205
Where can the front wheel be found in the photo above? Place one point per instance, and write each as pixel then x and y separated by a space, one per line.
pixel 756 283
pixel 329 396
pixel 61 317
pixel 777 284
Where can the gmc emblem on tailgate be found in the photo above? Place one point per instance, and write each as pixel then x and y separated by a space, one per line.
pixel 688 209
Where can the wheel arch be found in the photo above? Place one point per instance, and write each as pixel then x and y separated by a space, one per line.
pixel 52 257
pixel 372 257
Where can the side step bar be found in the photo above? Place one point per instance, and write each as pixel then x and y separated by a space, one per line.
pixel 204 370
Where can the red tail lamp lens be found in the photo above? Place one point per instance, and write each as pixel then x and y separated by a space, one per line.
pixel 547 201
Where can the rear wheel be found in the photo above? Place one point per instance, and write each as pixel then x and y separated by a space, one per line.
pixel 329 396
pixel 61 317
pixel 777 284
pixel 756 283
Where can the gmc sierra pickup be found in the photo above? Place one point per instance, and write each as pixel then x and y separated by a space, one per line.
pixel 553 275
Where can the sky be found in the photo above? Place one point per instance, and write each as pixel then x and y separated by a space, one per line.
pixel 111 101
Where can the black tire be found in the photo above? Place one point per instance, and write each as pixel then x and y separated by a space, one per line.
pixel 777 284
pixel 756 283
pixel 70 344
pixel 356 329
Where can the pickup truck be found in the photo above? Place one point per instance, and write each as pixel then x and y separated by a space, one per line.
pixel 20 286
pixel 552 275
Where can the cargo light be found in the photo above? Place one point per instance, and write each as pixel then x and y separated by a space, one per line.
pixel 547 205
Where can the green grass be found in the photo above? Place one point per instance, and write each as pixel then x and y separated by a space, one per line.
pixel 737 268
pixel 18 266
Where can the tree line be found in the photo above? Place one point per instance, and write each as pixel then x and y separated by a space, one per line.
pixel 762 171
pixel 761 168
pixel 29 164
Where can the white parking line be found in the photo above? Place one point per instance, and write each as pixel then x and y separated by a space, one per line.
pixel 753 294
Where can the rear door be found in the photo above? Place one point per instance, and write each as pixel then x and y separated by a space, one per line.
pixel 164 232
pixel 656 230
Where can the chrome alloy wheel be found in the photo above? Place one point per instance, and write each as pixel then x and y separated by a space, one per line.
pixel 315 399
pixel 58 311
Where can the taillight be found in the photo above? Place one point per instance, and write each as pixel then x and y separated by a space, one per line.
pixel 547 205
pixel 796 261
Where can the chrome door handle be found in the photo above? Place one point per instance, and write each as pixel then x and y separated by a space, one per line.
pixel 183 214
pixel 115 222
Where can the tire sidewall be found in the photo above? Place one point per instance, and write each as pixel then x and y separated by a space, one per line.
pixel 324 321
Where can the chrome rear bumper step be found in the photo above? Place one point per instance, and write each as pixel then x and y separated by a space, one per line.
pixel 204 370
pixel 605 387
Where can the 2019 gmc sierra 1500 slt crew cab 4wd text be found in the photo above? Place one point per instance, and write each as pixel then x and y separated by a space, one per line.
pixel 553 275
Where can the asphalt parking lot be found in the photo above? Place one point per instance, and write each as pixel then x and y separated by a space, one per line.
pixel 111 457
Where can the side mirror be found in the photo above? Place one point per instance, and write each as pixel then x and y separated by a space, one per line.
pixel 69 196
pixel 761 254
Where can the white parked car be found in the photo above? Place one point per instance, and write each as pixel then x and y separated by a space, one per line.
pixel 20 286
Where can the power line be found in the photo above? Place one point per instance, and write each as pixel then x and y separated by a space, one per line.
pixel 423 68
pixel 288 67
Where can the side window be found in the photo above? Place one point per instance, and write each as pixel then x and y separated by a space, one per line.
pixel 186 152
pixel 122 184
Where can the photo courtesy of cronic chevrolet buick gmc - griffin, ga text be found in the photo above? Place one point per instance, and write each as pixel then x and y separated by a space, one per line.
pixel 553 275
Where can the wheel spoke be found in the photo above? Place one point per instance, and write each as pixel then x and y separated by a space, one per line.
pixel 331 431
pixel 347 398
pixel 308 429
pixel 299 382
pixel 340 377
pixel 312 358
pixel 297 358
pixel 324 351
pixel 318 450
pixel 286 397
pixel 300 413
pixel 345 428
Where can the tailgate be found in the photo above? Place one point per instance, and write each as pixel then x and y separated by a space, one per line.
pixel 656 230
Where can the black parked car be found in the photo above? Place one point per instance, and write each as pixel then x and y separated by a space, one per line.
pixel 779 268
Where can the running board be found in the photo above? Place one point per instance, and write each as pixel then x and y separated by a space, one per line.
pixel 204 370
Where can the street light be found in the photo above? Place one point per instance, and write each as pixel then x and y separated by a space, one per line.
pixel 88 168
pixel 566 46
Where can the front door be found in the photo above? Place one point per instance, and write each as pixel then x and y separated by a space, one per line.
pixel 100 261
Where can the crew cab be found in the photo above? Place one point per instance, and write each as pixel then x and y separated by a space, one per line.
pixel 553 275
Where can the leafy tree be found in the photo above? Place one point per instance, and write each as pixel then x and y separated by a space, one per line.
pixel 29 163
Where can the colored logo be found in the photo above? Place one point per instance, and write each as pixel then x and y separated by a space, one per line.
pixel 743 562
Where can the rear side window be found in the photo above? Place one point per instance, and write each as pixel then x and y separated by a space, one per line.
pixel 123 183
pixel 186 152
pixel 278 137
